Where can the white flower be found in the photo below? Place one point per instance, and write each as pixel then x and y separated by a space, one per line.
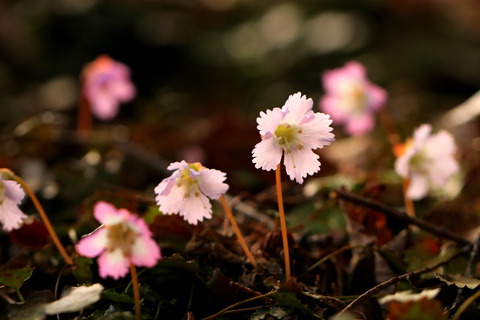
pixel 11 194
pixel 293 132
pixel 75 299
pixel 406 296
pixel 188 190
pixel 427 160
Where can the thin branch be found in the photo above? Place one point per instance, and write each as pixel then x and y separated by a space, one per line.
pixel 397 279
pixel 400 215
pixel 219 313
pixel 469 271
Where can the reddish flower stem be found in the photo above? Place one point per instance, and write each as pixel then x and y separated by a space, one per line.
pixel 283 224
pixel 84 120
pixel 238 233
pixel 409 206
pixel 44 217
pixel 136 291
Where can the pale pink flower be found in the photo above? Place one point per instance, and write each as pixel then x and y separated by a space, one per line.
pixel 427 159
pixel 188 191
pixel 351 99
pixel 293 132
pixel 106 84
pixel 122 239
pixel 11 194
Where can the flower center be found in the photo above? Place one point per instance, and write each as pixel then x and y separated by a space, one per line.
pixel 286 135
pixel 355 98
pixel 121 236
pixel 190 184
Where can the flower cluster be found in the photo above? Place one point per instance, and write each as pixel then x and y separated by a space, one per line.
pixel 11 194
pixel 188 190
pixel 106 84
pixel 292 132
pixel 426 159
pixel 123 238
pixel 351 99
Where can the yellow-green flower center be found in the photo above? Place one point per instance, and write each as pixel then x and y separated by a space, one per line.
pixel 190 184
pixel 121 236
pixel 286 135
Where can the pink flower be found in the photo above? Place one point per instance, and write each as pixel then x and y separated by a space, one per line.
pixel 106 84
pixel 351 99
pixel 189 189
pixel 426 160
pixel 11 194
pixel 122 239
pixel 293 132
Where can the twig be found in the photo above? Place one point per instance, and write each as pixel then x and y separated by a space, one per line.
pixel 397 279
pixel 400 215
pixel 469 270
pixel 219 313
pixel 250 291
pixel 465 305
pixel 330 255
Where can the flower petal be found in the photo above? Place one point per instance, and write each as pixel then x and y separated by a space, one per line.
pixel 106 213
pixel 210 182
pixel 10 215
pixel 178 165
pixel 301 162
pixel 113 263
pixel 170 203
pixel 269 121
pixel 13 191
pixel 361 124
pixel 417 187
pixel 267 154
pixel 145 252
pixel 196 208
pixel 316 133
pixel 298 108
pixel 93 244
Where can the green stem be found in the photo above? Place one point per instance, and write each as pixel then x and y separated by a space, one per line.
pixel 19 295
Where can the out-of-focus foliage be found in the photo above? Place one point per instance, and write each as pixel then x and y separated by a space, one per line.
pixel 203 70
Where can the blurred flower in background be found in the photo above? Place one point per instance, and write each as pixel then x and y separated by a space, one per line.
pixel 106 84
pixel 426 159
pixel 351 99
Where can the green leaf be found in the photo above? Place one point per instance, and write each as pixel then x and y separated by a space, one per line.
pixel 15 277
pixel 459 280
pixel 276 311
pixel 289 299
pixel 82 271
pixel 112 295
pixel 109 315
pixel 32 309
